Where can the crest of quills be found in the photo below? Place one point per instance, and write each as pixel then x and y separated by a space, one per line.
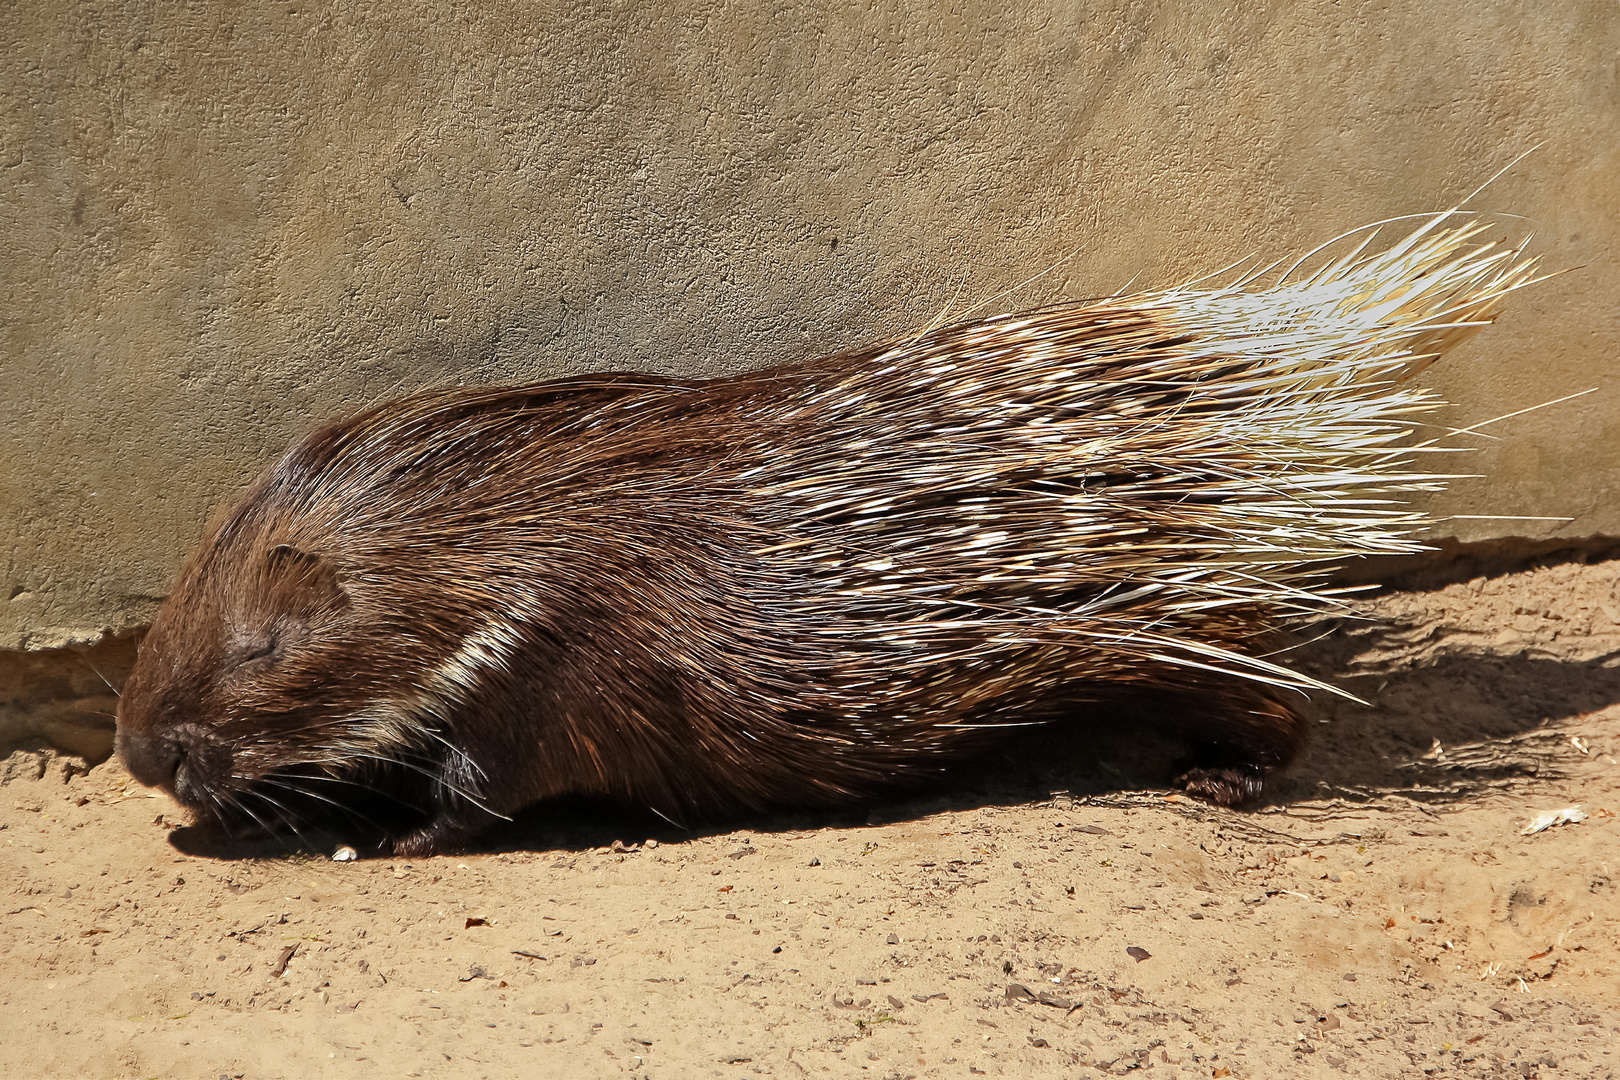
pixel 797 586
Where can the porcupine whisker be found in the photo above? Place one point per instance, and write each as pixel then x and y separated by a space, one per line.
pixel 102 677
pixel 308 793
pixel 358 785
pixel 458 753
pixel 340 755
pixel 240 796
pixel 437 778
pixel 285 814
pixel 220 805
pixel 233 801
pixel 424 730
pixel 220 812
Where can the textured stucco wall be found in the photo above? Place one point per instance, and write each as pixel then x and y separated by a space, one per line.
pixel 223 222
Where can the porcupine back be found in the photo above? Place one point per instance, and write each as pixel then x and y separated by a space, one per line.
pixel 799 585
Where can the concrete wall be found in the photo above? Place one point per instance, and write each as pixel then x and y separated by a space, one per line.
pixel 223 222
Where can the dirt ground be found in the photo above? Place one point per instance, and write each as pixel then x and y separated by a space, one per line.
pixel 1383 915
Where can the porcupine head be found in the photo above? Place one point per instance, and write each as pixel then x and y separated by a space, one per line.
pixel 285 674
pixel 242 670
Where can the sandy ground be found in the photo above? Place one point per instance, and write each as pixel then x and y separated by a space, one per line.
pixel 1381 916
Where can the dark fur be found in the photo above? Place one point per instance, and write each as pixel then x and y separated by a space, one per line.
pixel 678 643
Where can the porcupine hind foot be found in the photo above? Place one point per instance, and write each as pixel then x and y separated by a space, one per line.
pixel 1248 737
pixel 1223 785
pixel 439 837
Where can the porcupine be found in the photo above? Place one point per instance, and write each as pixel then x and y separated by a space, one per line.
pixel 804 585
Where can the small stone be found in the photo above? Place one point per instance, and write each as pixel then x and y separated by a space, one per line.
pixel 1020 992
pixel 892 939
pixel 345 853
pixel 815 862
pixel 1137 953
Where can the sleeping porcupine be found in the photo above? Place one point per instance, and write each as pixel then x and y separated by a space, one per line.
pixel 803 585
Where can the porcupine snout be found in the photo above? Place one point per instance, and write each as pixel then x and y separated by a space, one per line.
pixel 178 760
pixel 151 759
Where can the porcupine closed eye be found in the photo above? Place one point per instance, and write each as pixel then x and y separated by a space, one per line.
pixel 803 585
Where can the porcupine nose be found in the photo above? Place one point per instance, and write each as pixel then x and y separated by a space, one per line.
pixel 151 759
pixel 183 761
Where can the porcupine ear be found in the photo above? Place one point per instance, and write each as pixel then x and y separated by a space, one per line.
pixel 307 577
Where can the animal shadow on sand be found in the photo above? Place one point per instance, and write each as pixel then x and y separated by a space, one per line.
pixel 1365 748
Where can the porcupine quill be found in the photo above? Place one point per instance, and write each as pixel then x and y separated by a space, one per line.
pixel 804 585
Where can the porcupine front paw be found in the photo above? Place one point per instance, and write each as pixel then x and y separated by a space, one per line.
pixel 1223 785
pixel 440 837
